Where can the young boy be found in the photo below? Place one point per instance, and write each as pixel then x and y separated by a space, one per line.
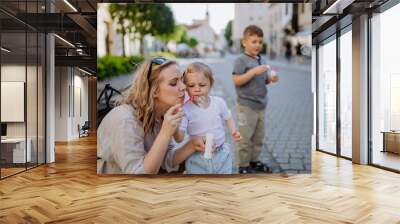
pixel 250 78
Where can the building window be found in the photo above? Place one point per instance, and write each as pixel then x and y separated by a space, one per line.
pixel 385 89
pixel 346 94
pixel 327 97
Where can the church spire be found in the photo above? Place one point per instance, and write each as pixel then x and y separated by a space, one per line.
pixel 207 14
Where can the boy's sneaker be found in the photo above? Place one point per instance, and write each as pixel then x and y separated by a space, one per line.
pixel 258 166
pixel 246 170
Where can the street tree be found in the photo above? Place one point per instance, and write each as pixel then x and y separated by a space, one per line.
pixel 120 16
pixel 178 35
pixel 192 42
pixel 228 33
pixel 153 19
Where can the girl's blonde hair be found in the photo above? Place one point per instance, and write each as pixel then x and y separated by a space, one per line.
pixel 141 93
pixel 199 67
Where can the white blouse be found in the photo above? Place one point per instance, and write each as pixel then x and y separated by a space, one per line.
pixel 122 144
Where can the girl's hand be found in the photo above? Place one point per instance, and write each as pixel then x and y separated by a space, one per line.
pixel 172 119
pixel 199 144
pixel 236 136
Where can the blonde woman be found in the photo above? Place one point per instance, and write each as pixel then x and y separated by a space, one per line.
pixel 135 137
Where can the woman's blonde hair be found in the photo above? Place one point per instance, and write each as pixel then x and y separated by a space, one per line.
pixel 199 67
pixel 141 94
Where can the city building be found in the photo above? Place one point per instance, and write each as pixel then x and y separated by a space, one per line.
pixel 247 14
pixel 280 19
pixel 273 19
pixel 202 31
pixel 281 23
pixel 304 28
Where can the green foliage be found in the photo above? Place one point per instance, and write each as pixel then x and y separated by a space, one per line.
pixel 120 16
pixel 110 66
pixel 154 19
pixel 143 19
pixel 177 35
pixel 228 33
pixel 192 42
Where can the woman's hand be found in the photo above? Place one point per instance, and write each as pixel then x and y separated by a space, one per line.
pixel 172 120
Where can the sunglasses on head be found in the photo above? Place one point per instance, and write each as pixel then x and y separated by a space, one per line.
pixel 157 61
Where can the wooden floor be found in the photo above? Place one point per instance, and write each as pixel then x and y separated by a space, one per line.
pixel 69 191
pixel 387 159
pixel 10 171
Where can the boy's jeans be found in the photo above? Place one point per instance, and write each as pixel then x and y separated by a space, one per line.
pixel 221 163
pixel 251 127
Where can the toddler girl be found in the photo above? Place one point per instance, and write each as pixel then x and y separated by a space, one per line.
pixel 204 115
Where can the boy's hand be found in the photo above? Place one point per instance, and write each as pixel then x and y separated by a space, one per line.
pixel 259 69
pixel 273 78
pixel 236 136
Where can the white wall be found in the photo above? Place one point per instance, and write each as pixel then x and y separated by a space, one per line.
pixel 81 83
pixel 33 126
pixel 61 105
pixel 69 85
pixel 14 73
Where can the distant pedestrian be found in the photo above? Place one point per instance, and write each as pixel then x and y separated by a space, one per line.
pixel 299 55
pixel 288 51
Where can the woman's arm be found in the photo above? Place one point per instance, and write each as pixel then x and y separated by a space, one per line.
pixel 155 157
pixel 183 153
